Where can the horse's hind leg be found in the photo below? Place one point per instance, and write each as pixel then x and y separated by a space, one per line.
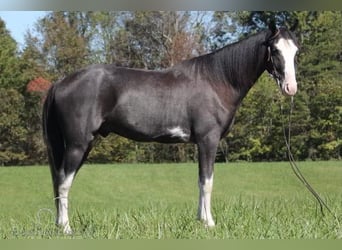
pixel 74 156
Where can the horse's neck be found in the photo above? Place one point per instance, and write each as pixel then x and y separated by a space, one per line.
pixel 243 62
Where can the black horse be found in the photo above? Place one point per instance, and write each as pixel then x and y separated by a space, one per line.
pixel 194 101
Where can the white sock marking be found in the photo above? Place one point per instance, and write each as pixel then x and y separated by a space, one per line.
pixel 204 205
pixel 62 216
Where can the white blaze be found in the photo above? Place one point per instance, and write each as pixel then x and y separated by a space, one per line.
pixel 288 50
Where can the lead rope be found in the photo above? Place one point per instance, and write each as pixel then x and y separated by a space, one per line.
pixel 294 166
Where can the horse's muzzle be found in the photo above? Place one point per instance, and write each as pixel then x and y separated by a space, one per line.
pixel 289 89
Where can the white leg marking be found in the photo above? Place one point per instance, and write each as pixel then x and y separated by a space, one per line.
pixel 204 205
pixel 288 50
pixel 62 216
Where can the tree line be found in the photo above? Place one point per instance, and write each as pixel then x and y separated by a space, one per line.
pixel 62 42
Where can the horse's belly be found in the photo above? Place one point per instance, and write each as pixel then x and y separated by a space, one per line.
pixel 143 117
pixel 168 134
pixel 147 126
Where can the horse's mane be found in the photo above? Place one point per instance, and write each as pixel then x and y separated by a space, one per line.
pixel 232 64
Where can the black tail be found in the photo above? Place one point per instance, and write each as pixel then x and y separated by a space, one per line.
pixel 53 137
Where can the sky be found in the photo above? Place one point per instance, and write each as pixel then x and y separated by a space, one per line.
pixel 18 22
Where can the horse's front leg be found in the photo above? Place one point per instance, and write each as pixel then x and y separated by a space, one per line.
pixel 207 148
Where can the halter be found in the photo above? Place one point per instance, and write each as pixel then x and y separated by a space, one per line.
pixel 269 57
pixel 272 71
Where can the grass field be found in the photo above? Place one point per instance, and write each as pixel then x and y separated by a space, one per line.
pixel 159 201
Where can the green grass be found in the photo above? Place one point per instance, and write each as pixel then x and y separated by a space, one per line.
pixel 159 201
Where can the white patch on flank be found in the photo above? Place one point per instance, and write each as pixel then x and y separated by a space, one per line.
pixel 178 132
pixel 204 206
pixel 288 50
pixel 62 216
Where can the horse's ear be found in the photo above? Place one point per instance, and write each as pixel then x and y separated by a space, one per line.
pixel 272 26
pixel 294 25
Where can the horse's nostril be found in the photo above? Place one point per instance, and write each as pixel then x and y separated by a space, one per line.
pixel 290 90
pixel 287 89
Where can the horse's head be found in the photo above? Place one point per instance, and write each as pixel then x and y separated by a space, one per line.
pixel 282 47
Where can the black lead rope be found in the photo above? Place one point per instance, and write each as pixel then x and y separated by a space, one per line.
pixel 294 166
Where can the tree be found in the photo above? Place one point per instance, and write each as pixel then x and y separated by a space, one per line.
pixel 158 39
pixel 321 74
pixel 62 44
pixel 12 129
pixel 9 71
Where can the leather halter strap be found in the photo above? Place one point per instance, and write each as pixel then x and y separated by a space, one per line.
pixel 269 57
pixel 275 35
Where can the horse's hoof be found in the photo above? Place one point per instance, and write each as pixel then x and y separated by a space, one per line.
pixel 67 231
pixel 209 224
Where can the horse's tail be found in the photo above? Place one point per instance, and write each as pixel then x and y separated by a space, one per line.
pixel 53 135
